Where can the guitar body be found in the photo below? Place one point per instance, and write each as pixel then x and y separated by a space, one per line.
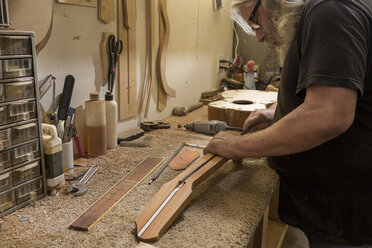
pixel 237 105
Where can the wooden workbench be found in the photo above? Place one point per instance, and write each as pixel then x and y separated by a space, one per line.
pixel 224 212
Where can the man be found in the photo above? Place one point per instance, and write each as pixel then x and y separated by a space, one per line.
pixel 320 137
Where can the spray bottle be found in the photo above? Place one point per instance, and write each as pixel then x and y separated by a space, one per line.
pixel 249 80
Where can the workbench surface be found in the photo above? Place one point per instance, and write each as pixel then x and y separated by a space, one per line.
pixel 224 211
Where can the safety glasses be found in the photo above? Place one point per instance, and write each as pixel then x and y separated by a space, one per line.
pixel 251 22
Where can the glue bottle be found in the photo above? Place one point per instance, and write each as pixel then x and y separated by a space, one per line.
pixel 95 123
pixel 111 120
pixel 53 156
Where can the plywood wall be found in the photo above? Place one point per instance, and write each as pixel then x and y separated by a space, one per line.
pixel 198 35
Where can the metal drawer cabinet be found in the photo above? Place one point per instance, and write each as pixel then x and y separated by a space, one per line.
pixel 22 169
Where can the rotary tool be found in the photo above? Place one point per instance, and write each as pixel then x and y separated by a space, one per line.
pixel 209 127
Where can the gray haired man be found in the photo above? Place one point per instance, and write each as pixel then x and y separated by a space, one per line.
pixel 318 137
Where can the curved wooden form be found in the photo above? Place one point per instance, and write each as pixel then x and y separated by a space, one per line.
pixel 179 200
pixel 163 50
pixel 238 104
pixel 36 16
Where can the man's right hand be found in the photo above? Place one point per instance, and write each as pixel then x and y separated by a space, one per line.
pixel 260 119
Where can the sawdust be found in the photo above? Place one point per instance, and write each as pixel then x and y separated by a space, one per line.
pixel 224 211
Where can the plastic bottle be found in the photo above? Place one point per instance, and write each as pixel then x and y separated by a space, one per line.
pixel 249 80
pixel 95 124
pixel 111 120
pixel 53 156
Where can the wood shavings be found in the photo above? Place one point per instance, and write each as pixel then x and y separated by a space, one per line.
pixel 230 202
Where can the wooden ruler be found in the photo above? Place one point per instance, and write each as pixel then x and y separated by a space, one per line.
pixel 104 204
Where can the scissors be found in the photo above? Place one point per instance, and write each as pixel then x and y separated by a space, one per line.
pixel 114 50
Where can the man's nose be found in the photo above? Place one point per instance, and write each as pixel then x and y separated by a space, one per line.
pixel 260 34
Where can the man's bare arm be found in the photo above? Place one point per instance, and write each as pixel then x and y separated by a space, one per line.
pixel 326 113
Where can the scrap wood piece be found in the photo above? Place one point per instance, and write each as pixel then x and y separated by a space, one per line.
pixel 106 11
pixel 88 3
pixel 184 159
pixel 173 197
pixel 163 50
pixel 113 196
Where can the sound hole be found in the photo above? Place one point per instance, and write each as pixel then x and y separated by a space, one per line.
pixel 243 102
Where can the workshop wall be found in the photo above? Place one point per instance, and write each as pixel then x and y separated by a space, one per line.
pixel 198 34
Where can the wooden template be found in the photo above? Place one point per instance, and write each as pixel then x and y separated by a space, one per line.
pixel 178 200
pixel 162 95
pixel 164 40
pixel 106 10
pixel 183 159
pixel 88 3
pixel 39 20
pixel 113 196
pixel 127 61
pixel 238 104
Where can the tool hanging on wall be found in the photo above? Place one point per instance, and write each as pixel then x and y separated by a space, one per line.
pixel 114 49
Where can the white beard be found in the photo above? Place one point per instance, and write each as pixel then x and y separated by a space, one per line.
pixel 281 38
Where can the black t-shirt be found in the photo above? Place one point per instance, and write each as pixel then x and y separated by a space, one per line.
pixel 327 191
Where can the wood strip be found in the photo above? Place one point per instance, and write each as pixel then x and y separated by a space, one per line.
pixel 106 11
pixel 183 159
pixel 113 196
pixel 132 56
pixel 127 61
pixel 147 79
pixel 151 5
